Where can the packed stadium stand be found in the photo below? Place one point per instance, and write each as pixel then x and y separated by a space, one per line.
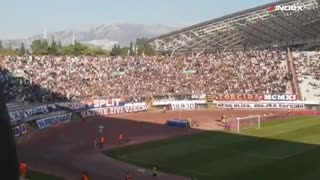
pixel 260 71
pixel 246 52
pixel 282 25
pixel 239 67
pixel 308 70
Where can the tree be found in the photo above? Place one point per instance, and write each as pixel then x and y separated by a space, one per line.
pixel 36 47
pixel 40 47
pixel 80 49
pixel 22 50
pixel 53 49
pixel 59 48
pixel 68 50
pixel 118 51
pixel 1 45
pixel 115 50
pixel 44 46
pixel 59 45
pixel 99 52
pixel 143 47
pixel 8 51
pixel 140 50
pixel 131 48
pixel 125 51
pixel 17 51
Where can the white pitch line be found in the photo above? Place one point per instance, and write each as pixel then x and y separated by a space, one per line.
pixel 180 169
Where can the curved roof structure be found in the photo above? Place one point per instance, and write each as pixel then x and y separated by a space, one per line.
pixel 285 22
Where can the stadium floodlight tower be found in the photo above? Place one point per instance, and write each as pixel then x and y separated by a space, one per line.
pixel 279 24
pixel 44 33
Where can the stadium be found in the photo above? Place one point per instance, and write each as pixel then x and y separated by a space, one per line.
pixel 236 97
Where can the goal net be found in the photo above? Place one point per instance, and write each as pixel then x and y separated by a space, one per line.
pixel 238 124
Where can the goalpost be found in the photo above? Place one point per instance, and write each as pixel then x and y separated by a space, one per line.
pixel 238 124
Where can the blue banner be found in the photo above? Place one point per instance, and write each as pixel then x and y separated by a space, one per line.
pixel 51 121
pixel 19 130
pixel 22 114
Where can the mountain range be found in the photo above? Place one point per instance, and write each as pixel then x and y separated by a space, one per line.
pixel 104 36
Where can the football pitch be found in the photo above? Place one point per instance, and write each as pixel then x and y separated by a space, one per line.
pixel 33 175
pixel 283 149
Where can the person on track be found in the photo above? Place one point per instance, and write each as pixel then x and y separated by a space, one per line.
pixel 189 123
pixel 227 124
pixel 23 170
pixel 120 138
pixel 223 119
pixel 128 177
pixel 164 109
pixel 101 141
pixel 85 175
pixel 155 171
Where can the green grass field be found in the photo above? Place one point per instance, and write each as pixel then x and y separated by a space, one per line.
pixel 286 149
pixel 33 175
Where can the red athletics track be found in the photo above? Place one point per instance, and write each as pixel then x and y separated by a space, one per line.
pixel 67 150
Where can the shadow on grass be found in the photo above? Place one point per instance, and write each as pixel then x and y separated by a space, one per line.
pixel 290 150
pixel 33 175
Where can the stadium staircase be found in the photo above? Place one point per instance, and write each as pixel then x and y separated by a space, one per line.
pixel 292 70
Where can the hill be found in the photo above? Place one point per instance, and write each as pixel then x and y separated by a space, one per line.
pixel 104 35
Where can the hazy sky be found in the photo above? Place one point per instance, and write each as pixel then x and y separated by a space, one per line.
pixel 22 18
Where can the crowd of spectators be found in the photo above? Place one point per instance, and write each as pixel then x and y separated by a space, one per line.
pixel 308 68
pixel 49 78
pixel 308 63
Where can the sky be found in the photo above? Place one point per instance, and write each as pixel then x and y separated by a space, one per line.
pixel 21 18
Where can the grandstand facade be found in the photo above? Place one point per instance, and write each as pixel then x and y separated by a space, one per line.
pixel 280 24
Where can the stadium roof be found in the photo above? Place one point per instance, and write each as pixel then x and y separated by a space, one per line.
pixel 282 23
